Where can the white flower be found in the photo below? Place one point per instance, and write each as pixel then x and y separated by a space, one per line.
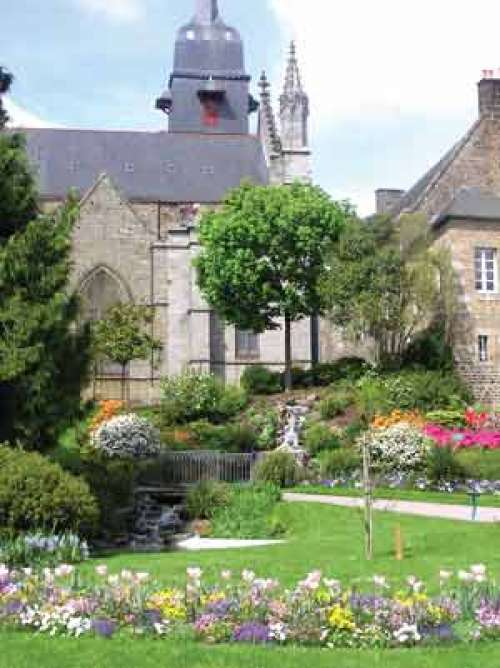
pixel 194 573
pixel 464 576
pixel 141 577
pixel 114 580
pixel 445 575
pixel 415 584
pixel 64 570
pixel 277 632
pixel 248 576
pixel 226 575
pixel 478 570
pixel 101 570
pixel 380 581
pixel 126 575
pixel 48 575
pixel 4 572
pixel 28 572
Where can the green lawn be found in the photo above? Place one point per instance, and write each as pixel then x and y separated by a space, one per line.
pixel 322 537
pixel 487 500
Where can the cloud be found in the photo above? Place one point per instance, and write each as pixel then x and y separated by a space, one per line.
pixel 389 58
pixel 22 118
pixel 115 10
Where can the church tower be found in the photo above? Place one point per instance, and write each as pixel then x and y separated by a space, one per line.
pixel 294 122
pixel 209 88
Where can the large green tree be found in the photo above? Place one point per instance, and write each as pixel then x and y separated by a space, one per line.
pixel 124 335
pixel 43 356
pixel 263 253
pixel 385 281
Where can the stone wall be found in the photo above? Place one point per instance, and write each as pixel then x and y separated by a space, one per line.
pixel 478 313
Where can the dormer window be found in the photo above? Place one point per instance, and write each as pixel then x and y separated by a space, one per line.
pixel 211 97
pixel 128 167
pixel 190 35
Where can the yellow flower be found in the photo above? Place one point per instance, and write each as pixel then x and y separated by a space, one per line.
pixel 341 619
pixel 170 603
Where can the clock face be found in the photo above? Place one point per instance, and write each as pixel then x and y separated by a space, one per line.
pixel 210 113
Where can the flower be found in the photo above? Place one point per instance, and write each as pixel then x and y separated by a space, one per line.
pixel 465 576
pixel 341 619
pixel 194 573
pixel 141 577
pixel 64 570
pixel 445 575
pixel 380 581
pixel 248 576
pixel 252 632
pixel 101 570
pixel 104 627
pixel 226 575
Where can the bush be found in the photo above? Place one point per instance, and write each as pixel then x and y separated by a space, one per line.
pixel 398 449
pixel 429 350
pixel 278 468
pixel 443 465
pixel 450 418
pixel 192 397
pixel 249 513
pixel 205 499
pixel 480 464
pixel 334 405
pixel 327 373
pixel 259 380
pixel 231 437
pixel 37 494
pixel 264 421
pixel 339 463
pixel 318 436
pixel 127 437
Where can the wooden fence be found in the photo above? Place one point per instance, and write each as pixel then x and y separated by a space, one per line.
pixel 187 468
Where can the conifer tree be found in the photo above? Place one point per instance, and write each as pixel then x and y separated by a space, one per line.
pixel 6 79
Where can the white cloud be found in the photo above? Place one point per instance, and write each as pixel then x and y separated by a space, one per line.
pixel 392 57
pixel 22 118
pixel 116 10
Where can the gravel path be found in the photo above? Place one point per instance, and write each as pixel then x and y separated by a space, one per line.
pixel 463 513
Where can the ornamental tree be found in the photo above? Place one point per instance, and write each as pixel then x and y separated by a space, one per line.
pixel 263 253
pixel 123 336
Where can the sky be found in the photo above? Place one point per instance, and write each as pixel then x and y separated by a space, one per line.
pixel 392 83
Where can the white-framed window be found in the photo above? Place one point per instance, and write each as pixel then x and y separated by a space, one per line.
pixel 485 269
pixel 247 344
pixel 482 347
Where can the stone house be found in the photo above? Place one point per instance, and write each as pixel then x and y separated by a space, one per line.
pixel 460 196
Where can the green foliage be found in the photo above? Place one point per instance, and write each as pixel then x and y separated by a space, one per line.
pixel 18 197
pixel 264 422
pixel 334 405
pixel 338 463
pixel 257 379
pixel 6 80
pixel 319 436
pixel 264 252
pixel 230 437
pixel 191 397
pixel 125 335
pixel 277 468
pixel 249 514
pixel 43 357
pixel 443 464
pixel 480 464
pixel 430 350
pixel 41 549
pixel 204 499
pixel 37 494
pixel 447 418
pixel 328 373
pixel 384 285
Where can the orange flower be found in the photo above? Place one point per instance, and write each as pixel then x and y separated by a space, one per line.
pixel 413 418
pixel 107 410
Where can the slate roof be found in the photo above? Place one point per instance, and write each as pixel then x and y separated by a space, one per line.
pixel 410 201
pixel 471 203
pixel 146 166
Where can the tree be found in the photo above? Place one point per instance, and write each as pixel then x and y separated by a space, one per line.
pixel 6 80
pixel 43 356
pixel 122 337
pixel 386 282
pixel 263 254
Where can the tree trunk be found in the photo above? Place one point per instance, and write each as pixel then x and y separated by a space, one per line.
pixel 368 489
pixel 124 383
pixel 288 353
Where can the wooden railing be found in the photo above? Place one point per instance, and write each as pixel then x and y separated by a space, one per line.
pixel 187 468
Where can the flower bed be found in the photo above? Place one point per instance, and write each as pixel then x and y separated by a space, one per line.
pixel 318 611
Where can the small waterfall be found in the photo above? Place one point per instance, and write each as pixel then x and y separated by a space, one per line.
pixel 156 522
pixel 293 419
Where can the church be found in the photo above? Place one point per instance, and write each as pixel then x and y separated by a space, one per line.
pixel 142 193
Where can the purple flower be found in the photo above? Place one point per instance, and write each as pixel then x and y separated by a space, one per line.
pixel 104 627
pixel 219 608
pixel 252 632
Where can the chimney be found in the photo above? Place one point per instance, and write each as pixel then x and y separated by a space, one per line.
pixel 387 199
pixel 489 95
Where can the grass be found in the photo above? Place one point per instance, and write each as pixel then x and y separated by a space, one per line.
pixel 459 499
pixel 322 537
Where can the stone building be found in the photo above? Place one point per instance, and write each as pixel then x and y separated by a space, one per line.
pixel 142 193
pixel 460 196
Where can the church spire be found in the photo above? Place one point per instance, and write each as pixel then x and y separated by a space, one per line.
pixel 207 12
pixel 293 83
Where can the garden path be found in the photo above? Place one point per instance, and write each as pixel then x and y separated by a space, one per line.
pixel 462 513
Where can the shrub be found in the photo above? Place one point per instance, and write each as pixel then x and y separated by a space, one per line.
pixel 480 464
pixel 444 465
pixel 205 498
pixel 327 373
pixel 249 513
pixel 127 437
pixel 231 437
pixel 446 418
pixel 264 421
pixel 278 468
pixel 192 397
pixel 429 350
pixel 37 494
pixel 318 436
pixel 400 448
pixel 339 463
pixel 334 405
pixel 257 379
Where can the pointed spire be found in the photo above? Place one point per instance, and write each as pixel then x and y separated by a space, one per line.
pixel 267 120
pixel 293 83
pixel 207 12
